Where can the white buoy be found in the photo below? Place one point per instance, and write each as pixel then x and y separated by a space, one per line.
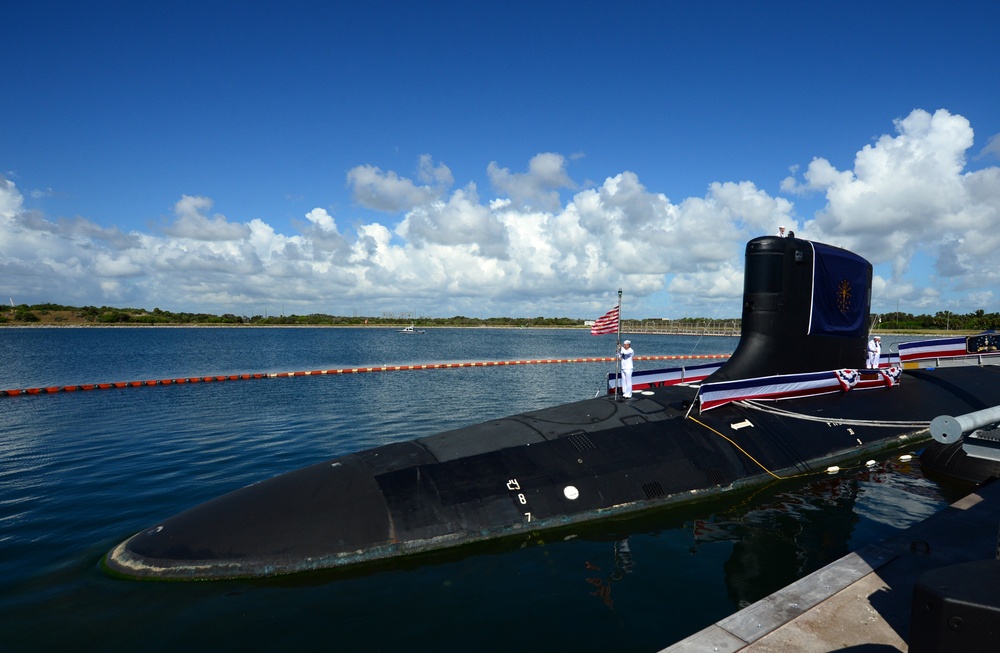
pixel 571 493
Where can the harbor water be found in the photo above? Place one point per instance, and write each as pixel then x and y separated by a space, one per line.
pixel 82 471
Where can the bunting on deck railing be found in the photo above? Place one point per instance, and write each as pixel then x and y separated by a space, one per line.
pixel 864 379
pixel 981 348
pixel 790 386
pixel 672 376
pixel 937 348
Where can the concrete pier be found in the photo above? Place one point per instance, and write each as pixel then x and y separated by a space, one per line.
pixel 862 602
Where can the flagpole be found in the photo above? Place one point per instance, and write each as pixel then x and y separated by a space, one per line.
pixel 618 348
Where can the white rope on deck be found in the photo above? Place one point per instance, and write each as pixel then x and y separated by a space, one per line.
pixel 753 405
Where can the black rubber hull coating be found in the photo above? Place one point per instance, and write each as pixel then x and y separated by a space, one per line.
pixel 531 472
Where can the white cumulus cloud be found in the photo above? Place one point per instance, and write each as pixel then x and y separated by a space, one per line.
pixel 537 244
pixel 911 194
pixel 387 191
pixel 539 187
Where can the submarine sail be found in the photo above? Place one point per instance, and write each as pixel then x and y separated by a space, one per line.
pixel 805 309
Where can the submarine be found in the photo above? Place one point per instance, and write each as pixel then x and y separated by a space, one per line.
pixel 794 399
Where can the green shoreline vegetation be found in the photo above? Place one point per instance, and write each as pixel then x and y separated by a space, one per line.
pixel 58 315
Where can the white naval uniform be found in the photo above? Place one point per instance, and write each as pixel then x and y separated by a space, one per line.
pixel 626 356
pixel 874 353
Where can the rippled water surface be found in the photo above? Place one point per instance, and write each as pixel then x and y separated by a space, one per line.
pixel 81 471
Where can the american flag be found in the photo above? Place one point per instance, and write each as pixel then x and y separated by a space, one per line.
pixel 607 323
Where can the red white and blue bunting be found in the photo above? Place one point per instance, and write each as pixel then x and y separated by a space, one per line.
pixel 790 386
pixel 937 348
pixel 671 376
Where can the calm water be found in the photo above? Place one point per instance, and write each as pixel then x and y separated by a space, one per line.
pixel 79 472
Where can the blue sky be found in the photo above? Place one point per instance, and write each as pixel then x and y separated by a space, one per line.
pixel 515 158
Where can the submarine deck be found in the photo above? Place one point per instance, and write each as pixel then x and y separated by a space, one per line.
pixel 862 601
pixel 550 468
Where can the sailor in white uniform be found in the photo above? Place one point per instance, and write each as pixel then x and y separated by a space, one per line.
pixel 874 352
pixel 625 354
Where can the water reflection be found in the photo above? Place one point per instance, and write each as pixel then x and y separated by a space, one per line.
pixel 779 539
pixel 623 564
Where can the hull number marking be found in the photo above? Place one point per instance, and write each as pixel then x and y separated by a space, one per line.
pixel 514 485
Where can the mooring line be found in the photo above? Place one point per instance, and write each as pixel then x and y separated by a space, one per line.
pixel 343 370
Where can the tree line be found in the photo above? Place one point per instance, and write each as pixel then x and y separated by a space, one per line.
pixel 942 320
pixel 59 314
pixel 979 320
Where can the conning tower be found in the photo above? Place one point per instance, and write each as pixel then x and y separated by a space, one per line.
pixel 805 309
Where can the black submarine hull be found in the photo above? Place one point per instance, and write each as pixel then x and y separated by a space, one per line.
pixel 805 310
pixel 535 471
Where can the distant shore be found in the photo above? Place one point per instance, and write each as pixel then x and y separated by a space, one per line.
pixel 196 325
pixel 53 316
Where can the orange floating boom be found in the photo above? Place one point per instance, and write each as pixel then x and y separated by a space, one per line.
pixel 346 370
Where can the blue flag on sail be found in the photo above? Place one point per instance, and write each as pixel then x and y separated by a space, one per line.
pixel 840 292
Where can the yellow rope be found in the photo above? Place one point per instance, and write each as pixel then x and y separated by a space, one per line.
pixel 758 462
pixel 743 450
